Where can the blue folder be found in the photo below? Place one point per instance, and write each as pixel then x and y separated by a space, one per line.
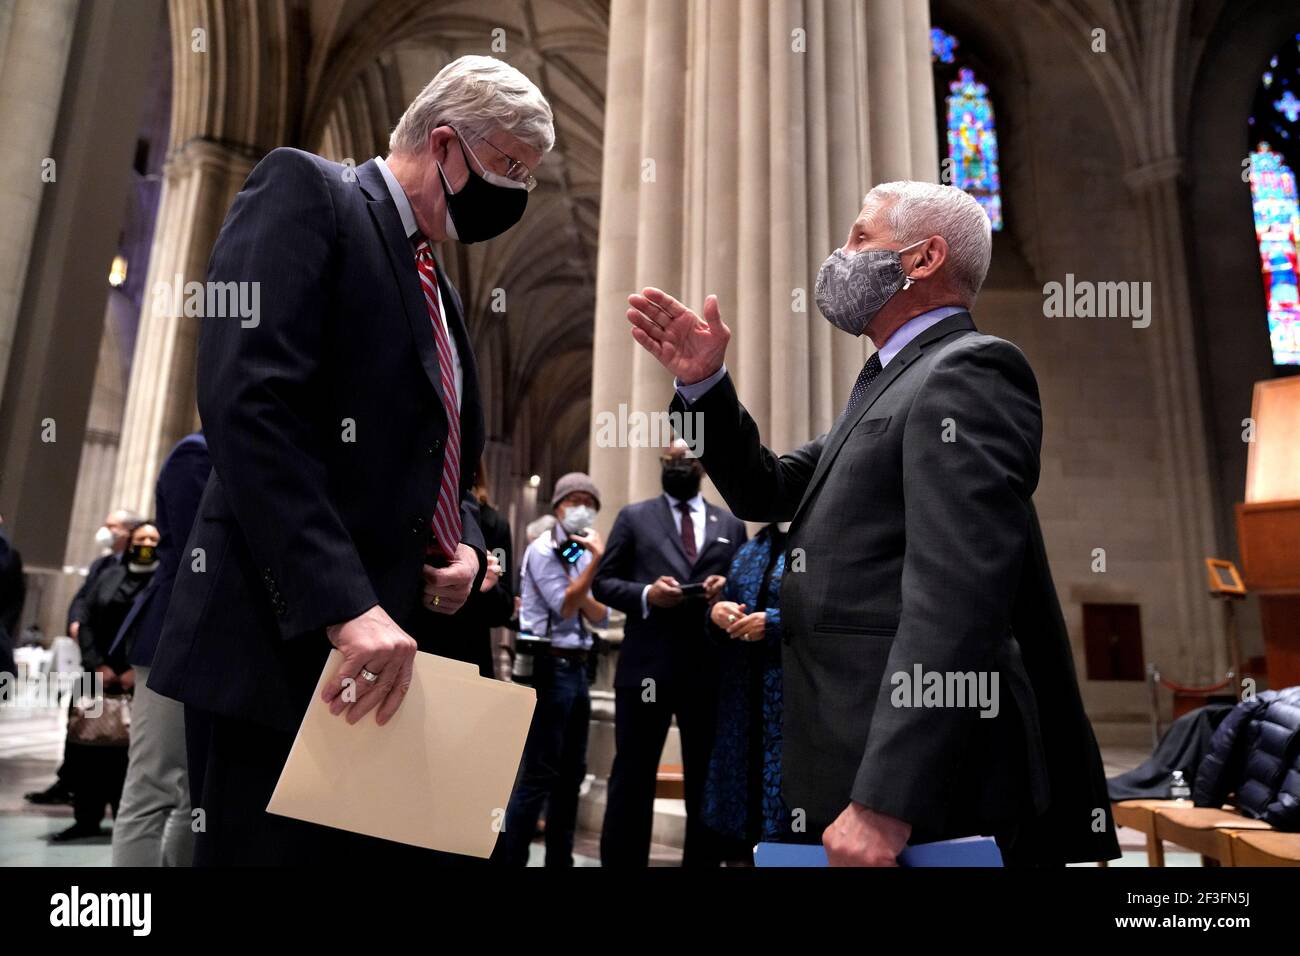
pixel 968 851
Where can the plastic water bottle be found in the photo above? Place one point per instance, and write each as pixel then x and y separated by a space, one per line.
pixel 1179 788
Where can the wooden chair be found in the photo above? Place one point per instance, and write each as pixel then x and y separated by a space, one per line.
pixel 1140 815
pixel 1204 830
pixel 1263 848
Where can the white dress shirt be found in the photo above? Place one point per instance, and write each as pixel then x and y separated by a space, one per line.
pixel 408 223
pixel 698 516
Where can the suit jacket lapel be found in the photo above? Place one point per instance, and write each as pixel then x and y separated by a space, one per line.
pixel 711 524
pixel 402 258
pixel 961 321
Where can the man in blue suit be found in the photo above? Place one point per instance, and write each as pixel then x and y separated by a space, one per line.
pixel 152 827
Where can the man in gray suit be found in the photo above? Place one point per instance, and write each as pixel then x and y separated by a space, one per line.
pixel 930 690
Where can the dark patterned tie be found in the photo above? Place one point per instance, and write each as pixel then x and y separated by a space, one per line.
pixel 865 378
pixel 688 531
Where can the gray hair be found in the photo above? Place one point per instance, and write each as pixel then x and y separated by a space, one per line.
pixel 477 95
pixel 918 210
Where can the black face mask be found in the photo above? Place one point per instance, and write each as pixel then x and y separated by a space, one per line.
pixel 143 556
pixel 481 209
pixel 681 480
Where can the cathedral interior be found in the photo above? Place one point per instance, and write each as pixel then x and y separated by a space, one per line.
pixel 705 146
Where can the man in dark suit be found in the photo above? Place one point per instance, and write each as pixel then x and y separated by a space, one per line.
pixel 666 664
pixel 152 826
pixel 929 684
pixel 344 422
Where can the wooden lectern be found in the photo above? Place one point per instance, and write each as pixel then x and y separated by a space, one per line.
pixel 1268 525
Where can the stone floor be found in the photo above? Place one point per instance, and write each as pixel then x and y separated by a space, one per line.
pixel 31 743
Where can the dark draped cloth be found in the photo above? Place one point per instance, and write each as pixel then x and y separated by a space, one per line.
pixel 1181 748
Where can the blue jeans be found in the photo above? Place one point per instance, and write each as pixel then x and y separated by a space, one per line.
pixel 554 765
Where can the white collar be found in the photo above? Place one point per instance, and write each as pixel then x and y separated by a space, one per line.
pixel 695 504
pixel 399 198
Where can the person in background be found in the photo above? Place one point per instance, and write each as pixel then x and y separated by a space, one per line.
pixel 667 665
pixel 96 773
pixel 742 795
pixel 556 602
pixel 520 665
pixel 492 605
pixel 152 827
pixel 12 593
pixel 114 535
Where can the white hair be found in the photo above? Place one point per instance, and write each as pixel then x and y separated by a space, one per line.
pixel 918 210
pixel 477 95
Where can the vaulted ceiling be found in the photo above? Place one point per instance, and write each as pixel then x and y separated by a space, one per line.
pixel 380 54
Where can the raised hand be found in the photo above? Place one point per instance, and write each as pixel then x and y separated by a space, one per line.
pixel 690 347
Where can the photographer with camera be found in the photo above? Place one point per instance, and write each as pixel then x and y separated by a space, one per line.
pixel 556 587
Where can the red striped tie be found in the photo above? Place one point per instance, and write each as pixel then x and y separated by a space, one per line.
pixel 446 517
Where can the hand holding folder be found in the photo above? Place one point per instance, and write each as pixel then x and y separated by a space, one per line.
pixel 438 775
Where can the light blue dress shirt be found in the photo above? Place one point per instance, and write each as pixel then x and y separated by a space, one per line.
pixel 546 577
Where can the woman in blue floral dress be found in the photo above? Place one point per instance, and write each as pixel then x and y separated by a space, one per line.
pixel 742 796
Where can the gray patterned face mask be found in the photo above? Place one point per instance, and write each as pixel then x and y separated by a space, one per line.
pixel 853 287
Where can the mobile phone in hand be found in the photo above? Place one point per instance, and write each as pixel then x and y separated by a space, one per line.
pixel 571 550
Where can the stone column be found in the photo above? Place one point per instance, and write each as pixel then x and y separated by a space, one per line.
pixel 200 181
pixel 35 36
pixel 740 139
pixel 55 344
pixel 1184 441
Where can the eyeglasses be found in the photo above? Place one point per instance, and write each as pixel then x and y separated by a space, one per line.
pixel 516 171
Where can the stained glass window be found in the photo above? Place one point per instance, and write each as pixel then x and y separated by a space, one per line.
pixel 969 131
pixel 1277 228
pixel 1274 124
pixel 943 46
pixel 973 144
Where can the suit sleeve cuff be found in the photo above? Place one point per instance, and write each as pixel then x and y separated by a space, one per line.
pixel 692 393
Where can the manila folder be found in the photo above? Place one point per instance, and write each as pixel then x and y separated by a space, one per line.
pixel 438 775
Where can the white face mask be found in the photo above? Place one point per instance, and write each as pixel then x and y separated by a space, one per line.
pixel 578 519
pixel 104 537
